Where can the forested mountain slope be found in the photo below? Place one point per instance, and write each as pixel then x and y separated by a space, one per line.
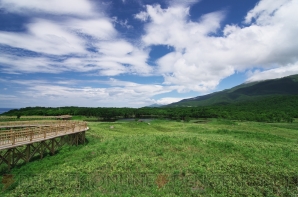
pixel 245 92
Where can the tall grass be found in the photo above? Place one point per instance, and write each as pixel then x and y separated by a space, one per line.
pixel 168 158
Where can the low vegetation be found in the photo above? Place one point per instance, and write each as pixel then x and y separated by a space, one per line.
pixel 204 157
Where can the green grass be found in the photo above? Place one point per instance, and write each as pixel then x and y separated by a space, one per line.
pixel 168 158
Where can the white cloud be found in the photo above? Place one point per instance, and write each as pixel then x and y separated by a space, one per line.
pixel 85 40
pixel 57 7
pixel 184 3
pixel 100 28
pixel 264 10
pixel 280 72
pixel 167 100
pixel 271 40
pixel 69 40
pixel 18 64
pixel 123 23
pixel 172 27
pixel 44 37
pixel 7 97
pixel 190 66
pixel 143 16
pixel 133 59
pixel 122 47
pixel 111 68
pixel 108 64
pixel 64 93
pixel 202 57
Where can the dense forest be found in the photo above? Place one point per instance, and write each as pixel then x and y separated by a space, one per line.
pixel 270 109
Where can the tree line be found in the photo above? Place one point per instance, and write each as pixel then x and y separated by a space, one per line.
pixel 270 109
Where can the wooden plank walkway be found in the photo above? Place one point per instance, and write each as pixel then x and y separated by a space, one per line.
pixel 23 140
pixel 38 132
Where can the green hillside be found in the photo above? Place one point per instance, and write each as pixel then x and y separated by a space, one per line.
pixel 245 92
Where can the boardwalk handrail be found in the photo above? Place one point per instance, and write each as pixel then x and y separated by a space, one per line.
pixel 39 130
pixel 33 123
pixel 30 117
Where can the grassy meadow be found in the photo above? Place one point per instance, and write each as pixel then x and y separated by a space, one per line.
pixel 167 158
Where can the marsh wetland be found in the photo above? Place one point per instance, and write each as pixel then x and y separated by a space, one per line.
pixel 168 158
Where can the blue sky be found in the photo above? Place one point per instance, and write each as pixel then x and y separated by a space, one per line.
pixel 134 53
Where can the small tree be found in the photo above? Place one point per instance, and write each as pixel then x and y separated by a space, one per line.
pixel 187 119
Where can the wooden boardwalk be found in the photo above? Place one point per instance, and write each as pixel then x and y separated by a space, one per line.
pixel 34 122
pixel 20 141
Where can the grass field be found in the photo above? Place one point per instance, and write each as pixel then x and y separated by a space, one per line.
pixel 168 158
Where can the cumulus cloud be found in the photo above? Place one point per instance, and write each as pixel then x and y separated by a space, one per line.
pixel 191 65
pixel 205 53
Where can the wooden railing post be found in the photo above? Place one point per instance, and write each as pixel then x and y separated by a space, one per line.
pixel 13 137
pixel 31 134
pixel 44 133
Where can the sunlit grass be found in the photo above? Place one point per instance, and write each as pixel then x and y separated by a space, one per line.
pixel 227 158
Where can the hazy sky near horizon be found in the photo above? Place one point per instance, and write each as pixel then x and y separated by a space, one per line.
pixel 134 53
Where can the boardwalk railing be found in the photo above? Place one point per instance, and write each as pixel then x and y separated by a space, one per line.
pixel 27 117
pixel 34 123
pixel 22 140
pixel 41 130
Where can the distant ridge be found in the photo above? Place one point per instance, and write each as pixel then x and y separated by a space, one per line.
pixel 244 92
pixel 155 105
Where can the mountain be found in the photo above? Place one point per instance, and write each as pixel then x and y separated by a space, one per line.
pixel 245 92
